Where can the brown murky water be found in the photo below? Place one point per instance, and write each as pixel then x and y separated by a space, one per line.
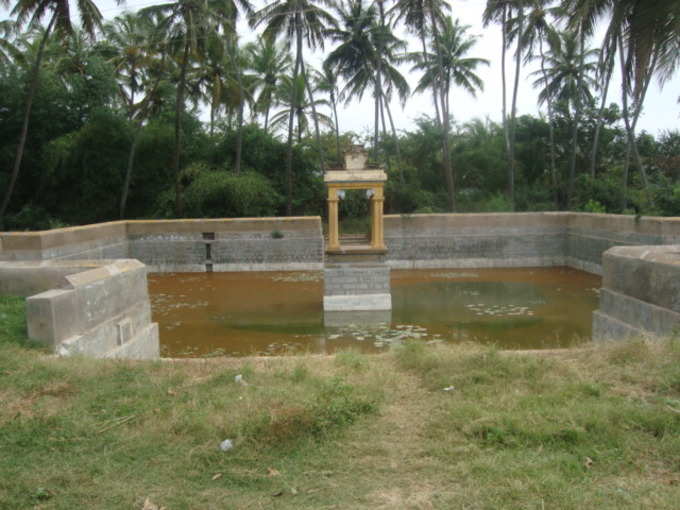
pixel 204 314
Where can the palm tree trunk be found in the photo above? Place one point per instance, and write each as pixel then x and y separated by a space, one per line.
pixel 435 95
pixel 606 80
pixel 239 132
pixel 626 170
pixel 376 125
pixel 513 111
pixel 504 87
pixel 384 131
pixel 266 117
pixel 212 118
pixel 394 132
pixel 396 141
pixel 577 119
pixel 448 169
pixel 630 125
pixel 551 128
pixel 299 126
pixel 130 167
pixel 317 133
pixel 291 119
pixel 636 117
pixel 337 127
pixel 179 110
pixel 33 87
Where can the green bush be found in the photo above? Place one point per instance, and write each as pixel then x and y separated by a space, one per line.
pixel 593 206
pixel 218 193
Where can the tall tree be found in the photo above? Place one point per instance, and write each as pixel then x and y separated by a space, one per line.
pixel 269 62
pixel 426 17
pixel 186 25
pixel 59 14
pixel 538 30
pixel 327 81
pixel 127 40
pixel 7 48
pixel 568 78
pixel 302 21
pixel 646 36
pixel 510 14
pixel 302 110
pixel 454 43
pixel 132 45
pixel 365 57
pixel 416 16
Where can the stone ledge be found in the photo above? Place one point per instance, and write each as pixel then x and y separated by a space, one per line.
pixel 606 327
pixel 354 303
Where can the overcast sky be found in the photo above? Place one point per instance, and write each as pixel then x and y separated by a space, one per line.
pixel 661 112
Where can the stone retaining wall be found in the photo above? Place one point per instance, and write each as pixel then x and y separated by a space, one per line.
pixel 242 244
pixel 475 240
pixel 590 235
pixel 248 244
pixel 640 293
pixel 98 241
pixel 518 239
pixel 101 309
pixel 413 241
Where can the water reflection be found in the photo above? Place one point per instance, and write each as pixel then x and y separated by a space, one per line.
pixel 362 318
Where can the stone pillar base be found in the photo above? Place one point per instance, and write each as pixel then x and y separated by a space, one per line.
pixel 356 287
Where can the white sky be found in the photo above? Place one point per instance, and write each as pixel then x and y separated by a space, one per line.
pixel 662 111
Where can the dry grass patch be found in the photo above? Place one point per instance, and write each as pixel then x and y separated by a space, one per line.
pixel 423 427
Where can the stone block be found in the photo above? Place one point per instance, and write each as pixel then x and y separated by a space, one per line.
pixel 53 316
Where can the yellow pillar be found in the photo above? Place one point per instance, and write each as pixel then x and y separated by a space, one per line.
pixel 377 235
pixel 333 230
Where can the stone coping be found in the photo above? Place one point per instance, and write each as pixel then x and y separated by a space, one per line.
pixel 405 224
pixel 666 254
pixel 45 239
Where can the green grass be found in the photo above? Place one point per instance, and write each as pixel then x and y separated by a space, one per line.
pixel 593 428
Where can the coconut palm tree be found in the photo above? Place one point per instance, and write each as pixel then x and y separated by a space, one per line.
pixel 127 39
pixel 416 16
pixel 328 81
pixel 568 78
pixel 132 43
pixel 212 75
pixel 454 44
pixel 270 62
pixel 186 25
pixel 32 12
pixel 510 14
pixel 7 48
pixel 365 57
pixel 538 28
pixel 425 18
pixel 646 36
pixel 292 94
pixel 302 21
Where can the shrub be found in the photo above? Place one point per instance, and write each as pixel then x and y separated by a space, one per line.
pixel 217 193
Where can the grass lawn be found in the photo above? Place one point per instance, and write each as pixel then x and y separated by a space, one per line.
pixel 593 428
